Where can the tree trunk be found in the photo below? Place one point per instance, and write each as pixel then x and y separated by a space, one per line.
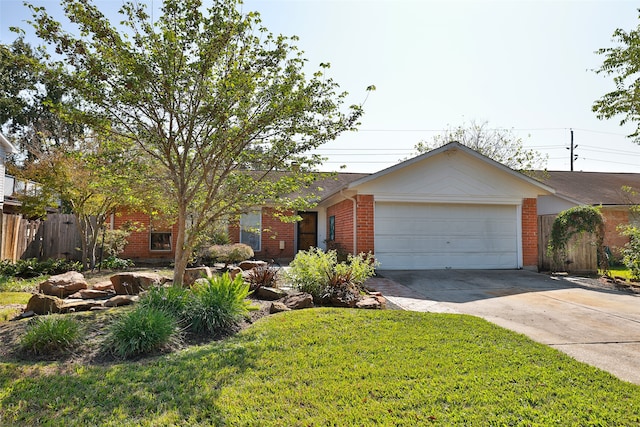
pixel 182 250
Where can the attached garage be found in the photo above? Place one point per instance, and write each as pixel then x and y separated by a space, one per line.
pixel 440 236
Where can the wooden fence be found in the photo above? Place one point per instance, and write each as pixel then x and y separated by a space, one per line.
pixel 55 237
pixel 582 254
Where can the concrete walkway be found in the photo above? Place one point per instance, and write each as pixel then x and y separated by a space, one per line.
pixel 600 327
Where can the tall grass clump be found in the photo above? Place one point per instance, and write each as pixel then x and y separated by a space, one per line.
pixel 219 304
pixel 51 334
pixel 173 300
pixel 141 331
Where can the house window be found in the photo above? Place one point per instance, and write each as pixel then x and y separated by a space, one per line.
pixel 160 235
pixel 332 227
pixel 251 229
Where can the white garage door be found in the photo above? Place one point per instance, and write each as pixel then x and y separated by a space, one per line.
pixel 439 236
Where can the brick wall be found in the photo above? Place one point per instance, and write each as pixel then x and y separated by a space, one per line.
pixel 365 223
pixel 614 217
pixel 343 211
pixel 530 233
pixel 138 247
pixel 273 231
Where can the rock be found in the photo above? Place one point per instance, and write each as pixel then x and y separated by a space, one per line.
pixel 75 306
pixel 44 304
pixel 24 315
pixel 234 271
pixel 133 283
pixel 120 300
pixel 369 303
pixel 63 285
pixel 270 294
pixel 103 286
pixel 250 265
pixel 382 301
pixel 193 274
pixel 278 307
pixel 94 294
pixel 298 301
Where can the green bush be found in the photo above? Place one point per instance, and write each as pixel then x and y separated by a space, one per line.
pixel 115 263
pixel 218 304
pixel 309 270
pixel 631 251
pixel 29 268
pixel 51 334
pixel 319 273
pixel 141 331
pixel 228 254
pixel 173 300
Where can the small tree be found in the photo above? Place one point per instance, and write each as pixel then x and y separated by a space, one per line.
pixel 500 145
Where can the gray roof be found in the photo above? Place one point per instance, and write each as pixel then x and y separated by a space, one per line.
pixel 592 188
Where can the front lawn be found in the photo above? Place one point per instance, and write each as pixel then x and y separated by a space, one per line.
pixel 330 367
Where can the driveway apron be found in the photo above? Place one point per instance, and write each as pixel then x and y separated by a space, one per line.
pixel 594 325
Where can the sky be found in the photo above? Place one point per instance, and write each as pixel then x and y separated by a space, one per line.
pixel 526 66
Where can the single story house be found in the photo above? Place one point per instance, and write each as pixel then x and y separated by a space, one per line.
pixel 447 208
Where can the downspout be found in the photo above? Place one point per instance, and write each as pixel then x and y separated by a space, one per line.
pixel 355 218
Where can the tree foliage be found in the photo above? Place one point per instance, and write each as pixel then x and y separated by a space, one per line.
pixel 500 145
pixel 622 62
pixel 203 94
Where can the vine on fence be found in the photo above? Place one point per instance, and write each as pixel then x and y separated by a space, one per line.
pixel 577 220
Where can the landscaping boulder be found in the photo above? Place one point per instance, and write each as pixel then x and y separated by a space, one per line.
pixel 234 271
pixel 75 306
pixel 298 301
pixel 269 294
pixel 278 307
pixel 200 282
pixel 44 304
pixel 103 286
pixel 250 265
pixel 368 302
pixel 120 300
pixel 133 283
pixel 94 294
pixel 193 274
pixel 63 285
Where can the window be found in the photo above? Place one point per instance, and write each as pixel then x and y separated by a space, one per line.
pixel 161 234
pixel 251 229
pixel 332 227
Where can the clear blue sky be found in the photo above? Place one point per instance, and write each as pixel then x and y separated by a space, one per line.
pixel 519 65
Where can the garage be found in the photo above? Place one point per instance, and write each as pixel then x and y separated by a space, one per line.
pixel 441 236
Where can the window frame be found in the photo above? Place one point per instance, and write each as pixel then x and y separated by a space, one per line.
pixel 256 229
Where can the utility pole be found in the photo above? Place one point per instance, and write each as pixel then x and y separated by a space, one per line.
pixel 572 147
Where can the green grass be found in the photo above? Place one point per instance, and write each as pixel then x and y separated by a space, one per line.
pixel 622 272
pixel 14 297
pixel 15 284
pixel 51 334
pixel 331 367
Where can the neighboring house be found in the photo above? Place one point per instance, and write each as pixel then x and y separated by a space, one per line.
pixel 603 189
pixel 6 148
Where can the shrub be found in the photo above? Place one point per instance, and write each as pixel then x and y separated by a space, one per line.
pixel 631 251
pixel 262 276
pixel 173 300
pixel 115 263
pixel 141 331
pixel 51 334
pixel 218 304
pixel 308 271
pixel 29 268
pixel 319 273
pixel 228 253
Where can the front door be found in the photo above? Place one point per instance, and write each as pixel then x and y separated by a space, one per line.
pixel 307 231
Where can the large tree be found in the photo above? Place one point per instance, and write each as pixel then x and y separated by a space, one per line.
pixel 203 93
pixel 623 63
pixel 500 145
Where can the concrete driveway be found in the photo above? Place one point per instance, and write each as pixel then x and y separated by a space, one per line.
pixel 595 325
